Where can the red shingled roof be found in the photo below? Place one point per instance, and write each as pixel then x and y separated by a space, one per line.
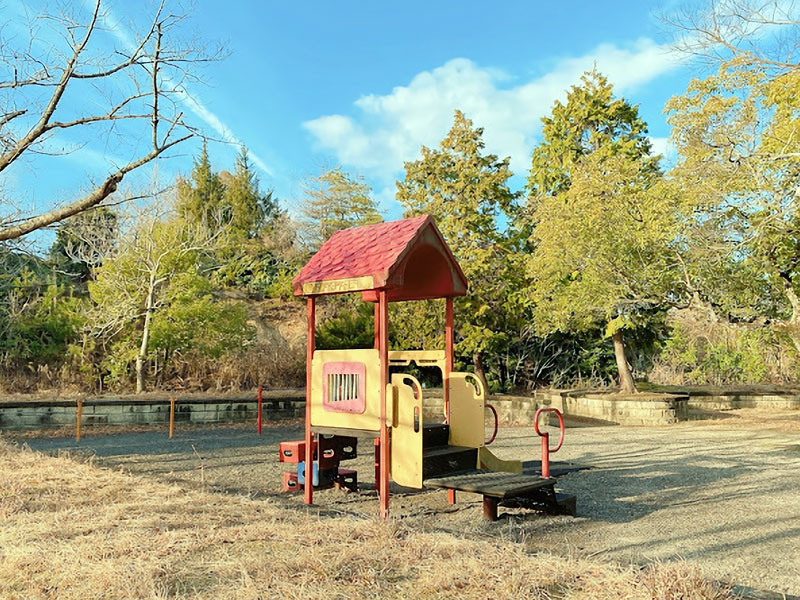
pixel 385 252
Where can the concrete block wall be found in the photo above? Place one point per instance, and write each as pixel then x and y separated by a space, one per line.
pixel 125 411
pixel 649 409
pixel 517 410
pixel 733 400
pixel 638 409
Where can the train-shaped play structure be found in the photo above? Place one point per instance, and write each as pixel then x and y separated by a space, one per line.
pixel 350 395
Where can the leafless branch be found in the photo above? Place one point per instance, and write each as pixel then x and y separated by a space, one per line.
pixel 763 32
pixel 94 198
pixel 140 82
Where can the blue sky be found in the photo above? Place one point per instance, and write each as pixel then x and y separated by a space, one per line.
pixel 309 85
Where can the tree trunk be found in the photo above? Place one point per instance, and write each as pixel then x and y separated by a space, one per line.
pixel 142 356
pixel 480 373
pixel 792 325
pixel 626 383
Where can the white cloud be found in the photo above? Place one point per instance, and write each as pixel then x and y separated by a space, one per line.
pixel 387 130
pixel 664 147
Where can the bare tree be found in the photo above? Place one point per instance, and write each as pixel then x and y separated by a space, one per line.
pixel 133 283
pixel 137 79
pixel 758 32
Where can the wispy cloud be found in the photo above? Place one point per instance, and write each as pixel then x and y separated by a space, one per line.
pixel 387 130
pixel 190 101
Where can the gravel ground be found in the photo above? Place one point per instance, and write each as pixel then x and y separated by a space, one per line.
pixel 722 495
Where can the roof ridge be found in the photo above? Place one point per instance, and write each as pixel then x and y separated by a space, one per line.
pixel 363 257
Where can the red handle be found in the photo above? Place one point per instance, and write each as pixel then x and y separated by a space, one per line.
pixel 560 426
pixel 494 412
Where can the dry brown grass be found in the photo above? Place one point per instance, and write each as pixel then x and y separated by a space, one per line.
pixel 72 530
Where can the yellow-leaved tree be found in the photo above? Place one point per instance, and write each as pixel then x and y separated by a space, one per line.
pixel 603 223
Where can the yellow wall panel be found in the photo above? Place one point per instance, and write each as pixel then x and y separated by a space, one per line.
pixel 322 416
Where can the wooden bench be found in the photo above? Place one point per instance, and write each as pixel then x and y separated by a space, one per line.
pixel 501 488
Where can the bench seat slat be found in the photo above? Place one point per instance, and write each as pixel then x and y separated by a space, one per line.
pixel 491 483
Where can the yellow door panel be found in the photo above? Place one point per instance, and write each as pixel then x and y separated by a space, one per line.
pixel 467 398
pixel 406 440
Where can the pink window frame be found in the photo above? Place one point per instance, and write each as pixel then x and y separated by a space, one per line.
pixel 355 405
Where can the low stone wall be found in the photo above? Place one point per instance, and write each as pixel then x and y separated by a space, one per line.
pixel 637 409
pixel 151 411
pixel 733 400
pixel 518 410
pixel 646 409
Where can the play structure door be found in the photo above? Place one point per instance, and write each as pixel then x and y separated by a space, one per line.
pixel 467 398
pixel 406 411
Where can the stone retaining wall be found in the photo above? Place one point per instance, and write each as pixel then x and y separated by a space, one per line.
pixel 127 411
pixel 518 410
pixel 734 400
pixel 638 409
pixel 635 409
pixel 648 409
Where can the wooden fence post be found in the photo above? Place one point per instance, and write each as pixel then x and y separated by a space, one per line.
pixel 258 418
pixel 78 420
pixel 171 417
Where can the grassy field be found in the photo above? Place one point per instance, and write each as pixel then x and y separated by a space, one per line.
pixel 70 529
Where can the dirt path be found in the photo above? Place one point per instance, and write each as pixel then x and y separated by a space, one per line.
pixel 722 495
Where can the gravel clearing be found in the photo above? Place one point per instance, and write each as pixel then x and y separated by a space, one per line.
pixel 721 495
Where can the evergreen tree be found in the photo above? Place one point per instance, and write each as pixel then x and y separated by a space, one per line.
pixel 82 243
pixel 248 210
pixel 333 201
pixel 467 191
pixel 251 226
pixel 200 198
pixel 592 121
pixel 600 237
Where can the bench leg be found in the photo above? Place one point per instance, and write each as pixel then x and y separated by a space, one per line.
pixel 490 508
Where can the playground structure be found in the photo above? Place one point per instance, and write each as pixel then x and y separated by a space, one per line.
pixel 350 394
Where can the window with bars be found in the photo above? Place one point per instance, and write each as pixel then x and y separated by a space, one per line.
pixel 344 387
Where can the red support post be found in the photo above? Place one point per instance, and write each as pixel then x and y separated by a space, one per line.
pixel 546 449
pixel 545 454
pixel 171 417
pixel 377 313
pixel 378 464
pixel 258 416
pixel 308 488
pixel 383 350
pixel 78 419
pixel 448 355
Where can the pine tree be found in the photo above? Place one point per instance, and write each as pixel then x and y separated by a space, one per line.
pixel 466 191
pixel 200 198
pixel 334 201
pixel 601 221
